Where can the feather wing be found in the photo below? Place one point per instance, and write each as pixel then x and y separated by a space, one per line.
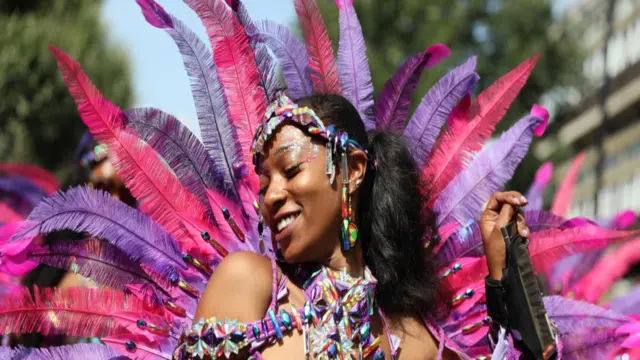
pixel 291 55
pixel 182 151
pixel 453 149
pixel 465 195
pixel 160 194
pixel 540 182
pixel 37 175
pixel 436 106
pixel 96 212
pixel 353 66
pixel 324 75
pixel 217 131
pixel 564 195
pixel 392 105
pixel 572 316
pixel 71 311
pixel 94 259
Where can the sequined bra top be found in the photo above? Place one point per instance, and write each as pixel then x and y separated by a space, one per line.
pixel 335 322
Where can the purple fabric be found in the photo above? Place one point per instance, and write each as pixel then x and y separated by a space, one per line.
pixel 465 196
pixel 429 117
pixel 97 213
pixel 291 54
pixel 353 65
pixel 217 131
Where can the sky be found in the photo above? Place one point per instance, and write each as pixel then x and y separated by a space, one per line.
pixel 159 78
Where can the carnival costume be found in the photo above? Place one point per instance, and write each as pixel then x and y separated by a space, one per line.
pixel 198 201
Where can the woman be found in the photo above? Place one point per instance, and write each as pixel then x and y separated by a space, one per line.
pixel 302 207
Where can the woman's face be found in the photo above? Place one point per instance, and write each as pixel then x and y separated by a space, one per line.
pixel 300 206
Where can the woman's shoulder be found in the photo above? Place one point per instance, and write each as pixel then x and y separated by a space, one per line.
pixel 240 288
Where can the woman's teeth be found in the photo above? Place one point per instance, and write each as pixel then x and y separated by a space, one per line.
pixel 284 222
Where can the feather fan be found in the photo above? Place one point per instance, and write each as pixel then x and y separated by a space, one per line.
pixel 240 80
pixel 160 194
pixel 292 56
pixel 540 182
pixel 95 259
pixel 465 136
pixel 269 80
pixel 564 195
pixel 37 175
pixel 322 65
pixel 392 105
pixel 71 311
pixel 465 196
pixel 182 151
pixel 545 248
pixel 572 315
pixel 353 65
pixel 211 106
pixel 96 212
pixel 435 107
pixel 65 352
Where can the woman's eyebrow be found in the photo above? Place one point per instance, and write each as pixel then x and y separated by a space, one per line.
pixel 283 148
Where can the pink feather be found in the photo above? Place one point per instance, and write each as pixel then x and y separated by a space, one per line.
pixel 144 349
pixel 240 80
pixel 624 219
pixel 456 145
pixel 607 271
pixel 37 175
pixel 544 173
pixel 8 215
pixel 564 196
pixel 15 262
pixel 161 195
pixel 72 311
pixel 215 16
pixel 324 74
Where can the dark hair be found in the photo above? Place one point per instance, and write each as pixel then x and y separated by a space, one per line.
pixel 391 218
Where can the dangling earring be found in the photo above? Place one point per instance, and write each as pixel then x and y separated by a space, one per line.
pixel 260 231
pixel 349 230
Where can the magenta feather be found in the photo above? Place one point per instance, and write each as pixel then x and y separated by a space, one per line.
pixel 322 65
pixel 71 311
pixel 96 212
pixel 158 191
pixel 211 106
pixel 291 55
pixel 98 260
pixel 8 215
pixel 540 182
pixel 572 315
pixel 434 109
pixel 564 195
pixel 392 105
pixel 353 65
pixel 465 136
pixel 465 195
pixel 14 258
pixel 215 16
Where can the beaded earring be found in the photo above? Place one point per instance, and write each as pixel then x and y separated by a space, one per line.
pixel 349 230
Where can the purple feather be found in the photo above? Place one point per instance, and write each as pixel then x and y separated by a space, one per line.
pixel 97 213
pixel 628 303
pixel 353 66
pixel 19 193
pixel 466 241
pixel 65 352
pixel 426 122
pixel 572 315
pixel 94 259
pixel 466 194
pixel 392 105
pixel 266 64
pixel 182 151
pixel 590 344
pixel 291 54
pixel 217 132
pixel 538 220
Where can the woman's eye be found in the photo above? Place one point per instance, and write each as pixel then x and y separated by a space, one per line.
pixel 292 171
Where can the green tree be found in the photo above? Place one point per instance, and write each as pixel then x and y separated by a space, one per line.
pixel 502 33
pixel 39 122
